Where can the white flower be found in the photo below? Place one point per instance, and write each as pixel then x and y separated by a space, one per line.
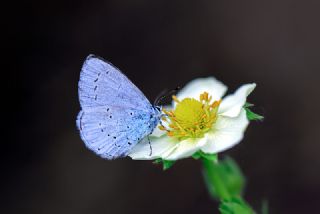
pixel 199 121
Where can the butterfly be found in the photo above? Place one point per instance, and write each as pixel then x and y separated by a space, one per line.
pixel 115 115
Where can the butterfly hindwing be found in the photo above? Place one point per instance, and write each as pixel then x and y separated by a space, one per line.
pixel 112 132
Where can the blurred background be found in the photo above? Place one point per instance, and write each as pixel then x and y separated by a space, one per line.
pixel 159 45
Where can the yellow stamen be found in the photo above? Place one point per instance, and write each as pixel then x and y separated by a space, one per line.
pixel 170 134
pixel 175 99
pixel 191 118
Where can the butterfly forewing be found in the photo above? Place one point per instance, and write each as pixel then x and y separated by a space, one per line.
pixel 102 84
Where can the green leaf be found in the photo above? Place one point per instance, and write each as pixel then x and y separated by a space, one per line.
pixel 166 164
pixel 201 154
pixel 224 179
pixel 235 206
pixel 250 114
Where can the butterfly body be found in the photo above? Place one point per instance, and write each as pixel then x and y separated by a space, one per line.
pixel 115 114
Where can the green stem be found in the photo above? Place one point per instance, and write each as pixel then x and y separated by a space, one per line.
pixel 225 182
pixel 213 176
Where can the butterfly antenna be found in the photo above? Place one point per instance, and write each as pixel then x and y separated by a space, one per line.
pixel 164 95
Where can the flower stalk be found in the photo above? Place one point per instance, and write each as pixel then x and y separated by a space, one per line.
pixel 225 183
pixel 213 177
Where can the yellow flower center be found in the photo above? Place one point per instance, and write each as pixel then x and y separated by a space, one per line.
pixel 191 118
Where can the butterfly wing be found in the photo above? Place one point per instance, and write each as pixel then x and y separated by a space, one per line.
pixel 115 114
pixel 102 84
pixel 112 132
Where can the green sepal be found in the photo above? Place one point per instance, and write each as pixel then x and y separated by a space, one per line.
pixel 201 154
pixel 196 156
pixel 235 205
pixel 166 164
pixel 247 105
pixel 250 114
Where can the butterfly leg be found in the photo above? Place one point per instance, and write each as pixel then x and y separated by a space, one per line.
pixel 161 124
pixel 150 146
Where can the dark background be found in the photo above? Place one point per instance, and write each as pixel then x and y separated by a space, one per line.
pixel 159 45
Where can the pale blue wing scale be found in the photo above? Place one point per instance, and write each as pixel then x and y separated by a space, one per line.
pixel 111 132
pixel 102 84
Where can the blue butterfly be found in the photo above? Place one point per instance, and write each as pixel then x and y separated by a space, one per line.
pixel 115 115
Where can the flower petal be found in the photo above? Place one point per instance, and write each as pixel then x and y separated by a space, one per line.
pixel 186 148
pixel 231 105
pixel 194 88
pixel 160 145
pixel 228 131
